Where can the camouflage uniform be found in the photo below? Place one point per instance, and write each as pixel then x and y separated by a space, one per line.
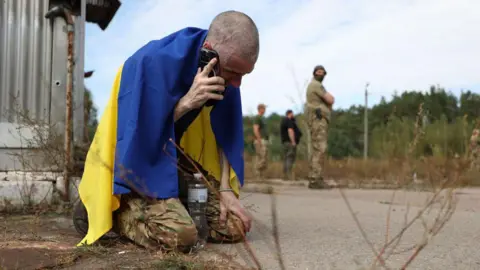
pixel 475 149
pixel 261 149
pixel 318 119
pixel 167 224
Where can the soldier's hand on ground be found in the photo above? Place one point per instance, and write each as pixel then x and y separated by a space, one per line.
pixel 230 202
pixel 203 86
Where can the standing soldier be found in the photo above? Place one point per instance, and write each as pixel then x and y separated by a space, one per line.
pixel 261 138
pixel 318 110
pixel 475 149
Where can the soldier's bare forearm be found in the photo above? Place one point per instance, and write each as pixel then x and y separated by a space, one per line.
pixel 328 98
pixel 181 108
pixel 291 135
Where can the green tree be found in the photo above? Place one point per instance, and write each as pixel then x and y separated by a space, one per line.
pixel 470 105
pixel 447 122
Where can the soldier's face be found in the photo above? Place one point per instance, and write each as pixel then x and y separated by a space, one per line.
pixel 320 72
pixel 232 66
pixel 234 69
pixel 320 75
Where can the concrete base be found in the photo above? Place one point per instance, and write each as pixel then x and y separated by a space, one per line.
pixel 23 189
pixel 25 193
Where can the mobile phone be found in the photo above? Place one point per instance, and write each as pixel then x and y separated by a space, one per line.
pixel 206 55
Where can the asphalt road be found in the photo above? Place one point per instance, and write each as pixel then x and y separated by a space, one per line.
pixel 317 230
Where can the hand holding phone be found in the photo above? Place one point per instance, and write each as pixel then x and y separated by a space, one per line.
pixel 204 88
pixel 206 55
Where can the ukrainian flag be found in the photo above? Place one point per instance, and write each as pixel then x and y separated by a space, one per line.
pixel 134 131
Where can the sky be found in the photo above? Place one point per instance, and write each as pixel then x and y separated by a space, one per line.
pixel 393 45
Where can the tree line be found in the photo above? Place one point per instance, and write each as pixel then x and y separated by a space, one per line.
pixel 446 122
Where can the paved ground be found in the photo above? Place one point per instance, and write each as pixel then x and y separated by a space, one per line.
pixel 316 232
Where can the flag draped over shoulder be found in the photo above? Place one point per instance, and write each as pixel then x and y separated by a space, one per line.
pixel 131 145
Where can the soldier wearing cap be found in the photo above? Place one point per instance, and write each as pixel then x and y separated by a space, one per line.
pixel 318 110
pixel 261 138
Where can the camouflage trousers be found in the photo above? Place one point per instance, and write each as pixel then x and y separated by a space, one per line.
pixel 318 136
pixel 289 156
pixel 167 224
pixel 261 158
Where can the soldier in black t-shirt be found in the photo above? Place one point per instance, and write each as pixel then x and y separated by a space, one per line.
pixel 290 135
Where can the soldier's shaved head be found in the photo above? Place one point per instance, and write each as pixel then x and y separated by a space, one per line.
pixel 234 32
pixel 235 37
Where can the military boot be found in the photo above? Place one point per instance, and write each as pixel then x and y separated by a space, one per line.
pixel 318 184
pixel 259 176
pixel 289 176
pixel 80 222
pixel 80 218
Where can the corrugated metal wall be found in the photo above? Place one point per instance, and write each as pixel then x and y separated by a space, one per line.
pixel 33 61
pixel 25 59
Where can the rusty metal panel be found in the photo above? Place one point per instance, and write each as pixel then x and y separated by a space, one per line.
pixel 25 59
pixel 58 83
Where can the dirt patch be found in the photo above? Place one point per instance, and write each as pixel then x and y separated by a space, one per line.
pixel 32 258
pixel 49 242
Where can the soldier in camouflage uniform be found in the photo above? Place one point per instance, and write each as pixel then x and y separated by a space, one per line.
pixel 261 142
pixel 318 110
pixel 164 222
pixel 475 149
pixel 167 223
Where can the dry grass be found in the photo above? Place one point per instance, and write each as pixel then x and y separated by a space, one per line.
pixel 360 173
